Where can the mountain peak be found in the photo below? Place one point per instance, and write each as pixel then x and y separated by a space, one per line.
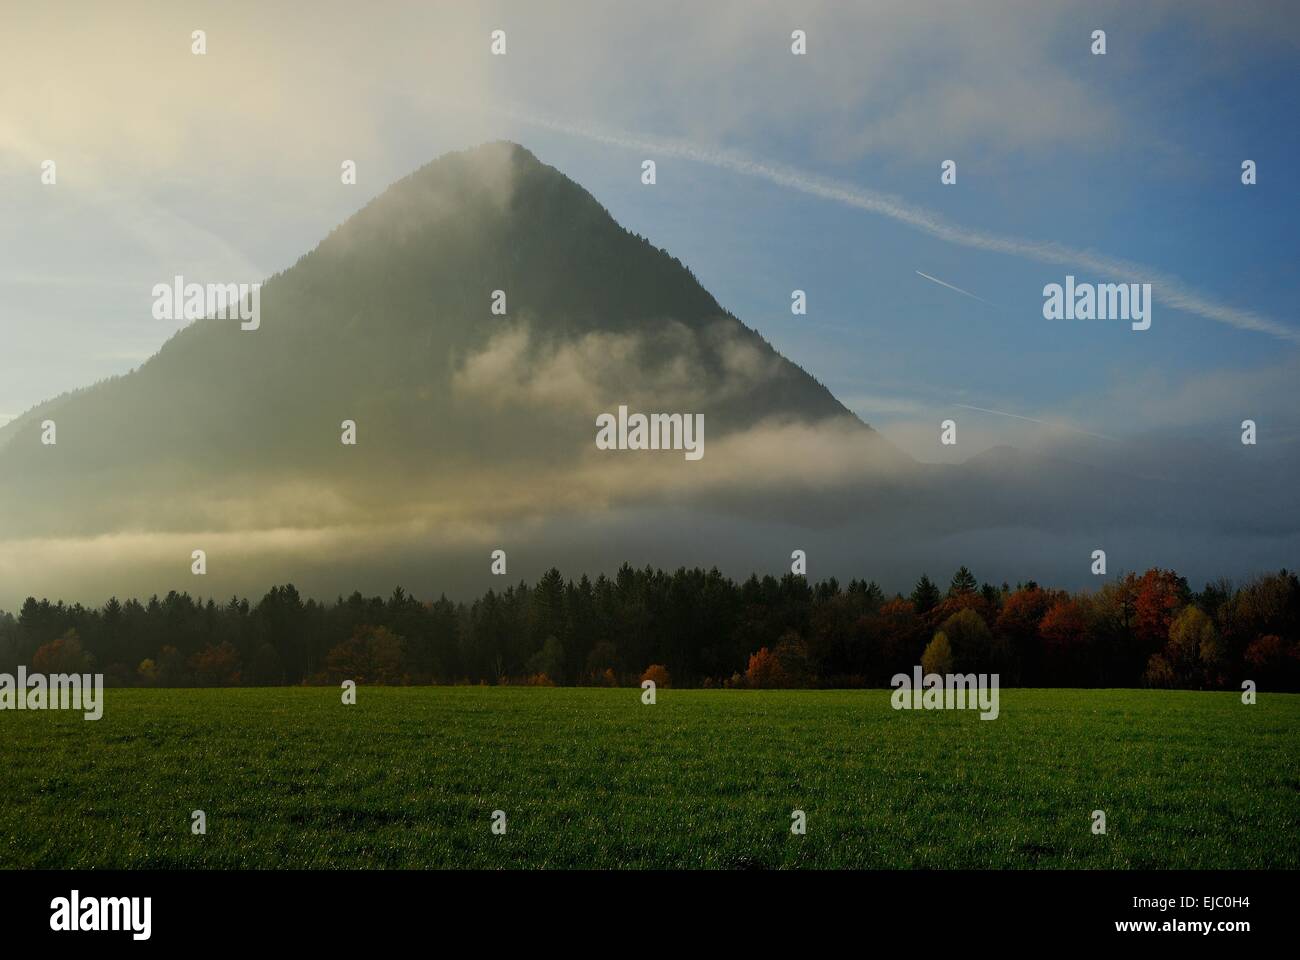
pixel 482 311
pixel 484 164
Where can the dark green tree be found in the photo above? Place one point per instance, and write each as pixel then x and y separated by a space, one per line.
pixel 963 581
pixel 925 595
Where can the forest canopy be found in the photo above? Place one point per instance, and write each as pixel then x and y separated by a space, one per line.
pixel 697 627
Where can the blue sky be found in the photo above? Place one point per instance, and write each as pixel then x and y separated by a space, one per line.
pixel 230 169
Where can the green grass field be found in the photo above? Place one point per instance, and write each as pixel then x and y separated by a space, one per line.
pixel 409 777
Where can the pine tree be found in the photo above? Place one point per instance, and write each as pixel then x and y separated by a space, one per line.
pixel 963 581
pixel 925 596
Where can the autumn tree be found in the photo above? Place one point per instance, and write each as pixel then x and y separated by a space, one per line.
pixel 937 657
pixel 147 672
pixel 785 666
pixel 955 603
pixel 1264 607
pixel 63 655
pixel 1192 650
pixel 1158 595
pixel 763 671
pixel 1017 626
pixel 1273 663
pixel 657 673
pixel 1063 630
pixel 1158 672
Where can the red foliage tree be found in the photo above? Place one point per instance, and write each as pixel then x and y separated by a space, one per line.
pixel 1063 629
pixel 1157 596
pixel 954 604
pixel 1022 612
pixel 1017 626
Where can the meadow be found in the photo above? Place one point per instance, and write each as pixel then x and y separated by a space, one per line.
pixel 410 777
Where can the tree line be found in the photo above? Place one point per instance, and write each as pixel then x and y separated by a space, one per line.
pixel 687 628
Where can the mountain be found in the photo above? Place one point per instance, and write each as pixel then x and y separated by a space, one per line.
pixel 389 323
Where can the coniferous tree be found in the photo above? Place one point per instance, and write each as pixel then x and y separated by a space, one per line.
pixel 963 581
pixel 925 595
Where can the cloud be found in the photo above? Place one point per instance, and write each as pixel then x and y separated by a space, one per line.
pixel 258 532
pixel 690 369
pixel 893 77
pixel 757 494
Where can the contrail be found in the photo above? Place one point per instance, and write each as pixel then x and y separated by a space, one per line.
pixel 951 287
pixel 1046 423
pixel 1168 289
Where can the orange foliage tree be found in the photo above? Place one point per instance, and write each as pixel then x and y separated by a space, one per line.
pixel 764 671
pixel 658 673
pixel 786 666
